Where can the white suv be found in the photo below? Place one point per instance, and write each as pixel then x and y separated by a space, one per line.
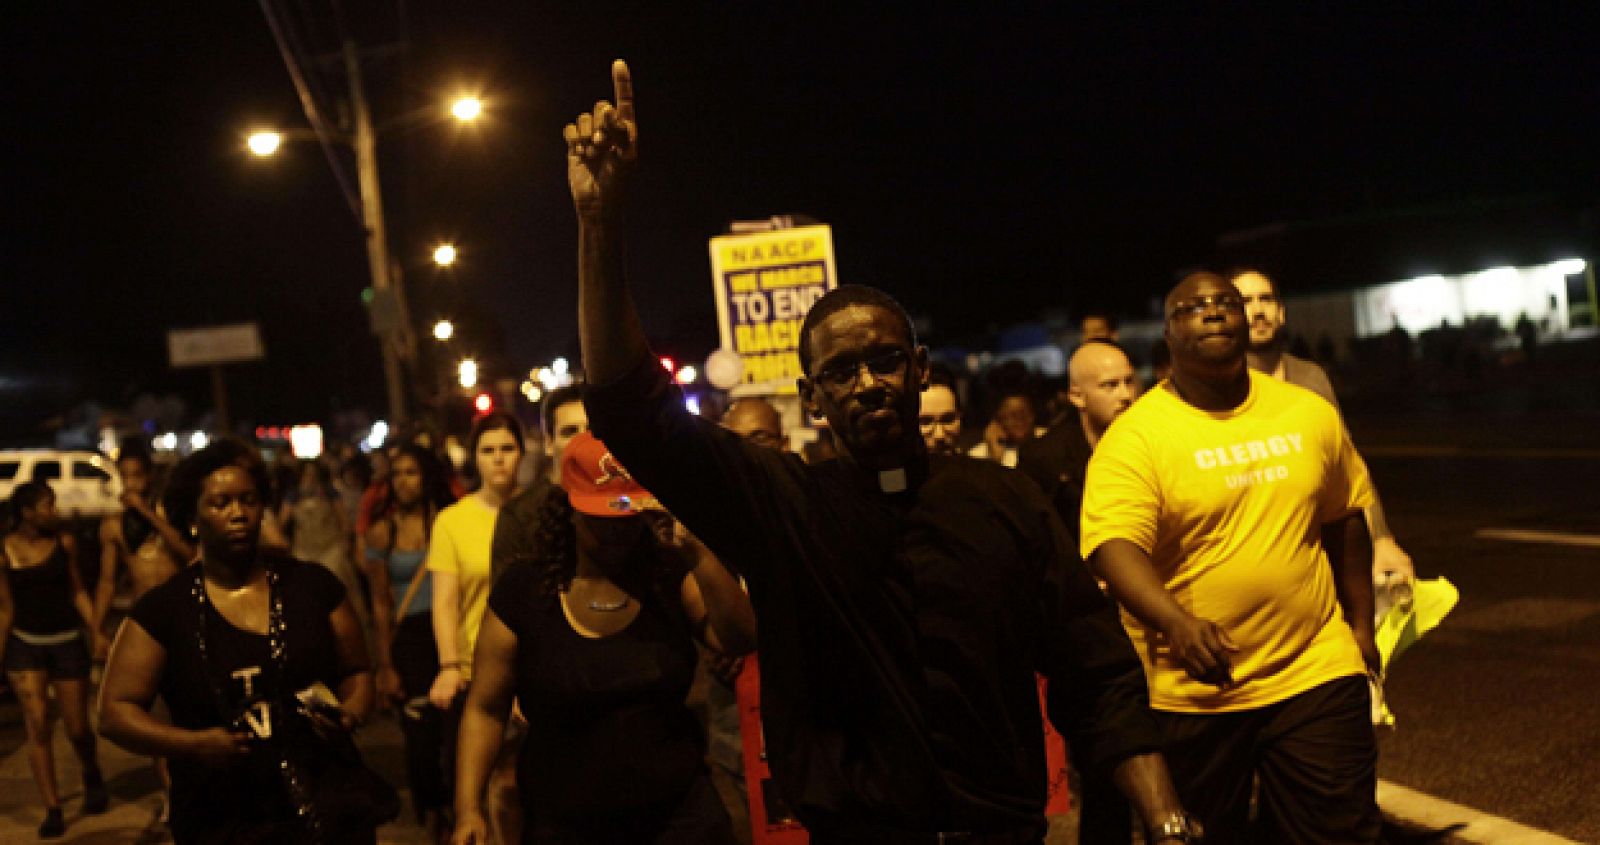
pixel 86 483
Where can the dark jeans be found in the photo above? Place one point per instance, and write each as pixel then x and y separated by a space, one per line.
pixel 1315 757
pixel 698 820
pixel 416 659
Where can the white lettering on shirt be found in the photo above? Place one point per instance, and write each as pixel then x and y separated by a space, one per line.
pixel 259 715
pixel 1257 476
pixel 1247 452
pixel 248 676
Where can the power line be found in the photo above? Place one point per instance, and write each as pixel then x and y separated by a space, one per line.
pixel 308 104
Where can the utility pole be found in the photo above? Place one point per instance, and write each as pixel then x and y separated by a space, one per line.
pixel 389 318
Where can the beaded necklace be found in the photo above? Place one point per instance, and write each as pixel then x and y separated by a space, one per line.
pixel 299 791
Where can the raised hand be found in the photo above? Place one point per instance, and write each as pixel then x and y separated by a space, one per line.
pixel 602 146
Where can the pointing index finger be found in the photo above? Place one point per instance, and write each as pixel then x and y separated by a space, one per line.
pixel 622 81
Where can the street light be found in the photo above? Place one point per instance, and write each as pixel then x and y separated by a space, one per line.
pixel 444 330
pixel 467 373
pixel 467 109
pixel 264 143
pixel 391 321
pixel 444 255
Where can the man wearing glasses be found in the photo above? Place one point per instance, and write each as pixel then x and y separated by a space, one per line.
pixel 1224 511
pixel 904 602
pixel 939 418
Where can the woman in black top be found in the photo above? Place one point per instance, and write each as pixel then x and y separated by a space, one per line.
pixel 43 608
pixel 595 641
pixel 237 629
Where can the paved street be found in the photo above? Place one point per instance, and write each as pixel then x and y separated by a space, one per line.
pixel 135 790
pixel 1497 708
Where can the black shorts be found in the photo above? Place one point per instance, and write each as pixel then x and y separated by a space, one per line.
pixel 67 660
pixel 1313 755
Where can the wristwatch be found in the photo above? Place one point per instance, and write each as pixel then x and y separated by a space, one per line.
pixel 1177 827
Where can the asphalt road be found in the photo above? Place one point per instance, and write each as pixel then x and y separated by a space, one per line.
pixel 1497 709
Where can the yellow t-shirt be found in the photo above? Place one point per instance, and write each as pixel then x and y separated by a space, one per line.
pixel 1230 508
pixel 462 536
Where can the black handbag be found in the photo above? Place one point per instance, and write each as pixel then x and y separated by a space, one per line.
pixel 333 791
pixel 329 784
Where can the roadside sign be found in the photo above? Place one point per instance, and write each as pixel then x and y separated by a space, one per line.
pixel 214 345
pixel 764 284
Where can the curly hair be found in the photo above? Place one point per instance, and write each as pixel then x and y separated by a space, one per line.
pixel 182 497
pixel 556 559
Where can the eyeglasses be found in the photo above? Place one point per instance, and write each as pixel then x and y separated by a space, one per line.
pixel 1201 305
pixel 947 421
pixel 842 375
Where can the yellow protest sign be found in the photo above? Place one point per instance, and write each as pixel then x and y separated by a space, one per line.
pixel 765 282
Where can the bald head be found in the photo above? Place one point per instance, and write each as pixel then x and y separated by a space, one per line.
pixel 756 420
pixel 1103 385
pixel 1093 357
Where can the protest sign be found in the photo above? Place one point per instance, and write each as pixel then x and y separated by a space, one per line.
pixel 764 284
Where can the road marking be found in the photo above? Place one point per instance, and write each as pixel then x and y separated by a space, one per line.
pixel 1465 452
pixel 1558 538
pixel 1525 614
pixel 1424 810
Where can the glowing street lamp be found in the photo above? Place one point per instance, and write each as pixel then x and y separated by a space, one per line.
pixel 444 330
pixel 467 373
pixel 265 142
pixel 361 135
pixel 444 255
pixel 467 109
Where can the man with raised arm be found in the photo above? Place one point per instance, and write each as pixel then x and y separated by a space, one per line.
pixel 904 602
pixel 1224 511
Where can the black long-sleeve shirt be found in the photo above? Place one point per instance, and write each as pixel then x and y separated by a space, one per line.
pixel 899 633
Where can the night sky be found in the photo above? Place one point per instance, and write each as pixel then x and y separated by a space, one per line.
pixel 984 167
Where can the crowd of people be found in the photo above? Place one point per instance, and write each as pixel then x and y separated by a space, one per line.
pixel 1189 568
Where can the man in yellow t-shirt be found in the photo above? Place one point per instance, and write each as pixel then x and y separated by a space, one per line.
pixel 1224 512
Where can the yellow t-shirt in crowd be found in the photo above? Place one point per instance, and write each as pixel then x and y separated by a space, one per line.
pixel 462 536
pixel 1230 507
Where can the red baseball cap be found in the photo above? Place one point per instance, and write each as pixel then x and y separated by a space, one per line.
pixel 596 482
